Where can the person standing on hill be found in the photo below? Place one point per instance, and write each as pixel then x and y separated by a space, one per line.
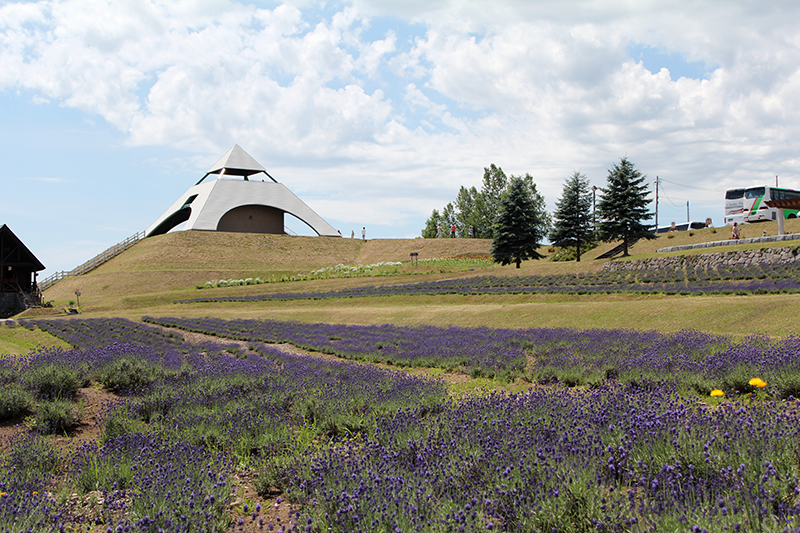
pixel 735 232
pixel 452 231
pixel 364 234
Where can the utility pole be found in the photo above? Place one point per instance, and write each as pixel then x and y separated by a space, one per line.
pixel 656 202
pixel 687 210
pixel 594 219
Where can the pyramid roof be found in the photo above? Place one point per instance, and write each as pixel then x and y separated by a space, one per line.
pixel 236 162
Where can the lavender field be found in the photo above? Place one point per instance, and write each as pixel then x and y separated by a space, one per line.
pixel 741 280
pixel 617 432
pixel 690 360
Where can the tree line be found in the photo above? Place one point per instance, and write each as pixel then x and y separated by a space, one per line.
pixel 511 211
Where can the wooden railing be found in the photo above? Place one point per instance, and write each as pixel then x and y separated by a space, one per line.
pixel 99 259
pixel 92 263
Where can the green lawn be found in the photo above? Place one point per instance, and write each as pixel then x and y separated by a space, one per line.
pixel 19 341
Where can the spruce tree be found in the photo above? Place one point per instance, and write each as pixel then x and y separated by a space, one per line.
pixel 520 225
pixel 573 218
pixel 623 207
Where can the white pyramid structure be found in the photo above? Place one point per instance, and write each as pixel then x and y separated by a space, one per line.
pixel 243 198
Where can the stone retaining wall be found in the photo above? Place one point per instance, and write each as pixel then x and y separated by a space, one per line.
pixel 10 304
pixel 709 261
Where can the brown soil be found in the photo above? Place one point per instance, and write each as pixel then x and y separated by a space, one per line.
pixel 9 429
pixel 246 517
pixel 92 402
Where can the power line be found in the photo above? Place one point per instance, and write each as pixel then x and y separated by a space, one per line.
pixel 688 186
pixel 665 192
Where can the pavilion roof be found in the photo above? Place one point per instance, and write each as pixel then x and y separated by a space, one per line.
pixel 236 162
pixel 13 251
pixel 788 203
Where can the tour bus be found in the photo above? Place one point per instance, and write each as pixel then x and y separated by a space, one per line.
pixel 756 209
pixel 680 226
pixel 734 206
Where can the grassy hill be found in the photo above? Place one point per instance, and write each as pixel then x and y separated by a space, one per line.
pixel 151 276
pixel 167 266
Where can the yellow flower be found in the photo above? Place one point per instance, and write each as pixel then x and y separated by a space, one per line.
pixel 758 382
pixel 3 494
pixel 35 493
pixel 717 392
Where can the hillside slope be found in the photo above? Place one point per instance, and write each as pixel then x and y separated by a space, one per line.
pixel 184 259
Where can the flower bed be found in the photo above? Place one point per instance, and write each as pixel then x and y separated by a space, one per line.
pixel 357 448
pixel 753 279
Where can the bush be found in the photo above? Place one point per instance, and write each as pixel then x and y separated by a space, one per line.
pixel 54 381
pixel 787 385
pixel 56 416
pixel 14 401
pixel 118 425
pixel 128 375
pixel 35 455
pixel 568 254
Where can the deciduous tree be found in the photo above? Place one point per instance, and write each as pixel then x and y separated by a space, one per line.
pixel 431 225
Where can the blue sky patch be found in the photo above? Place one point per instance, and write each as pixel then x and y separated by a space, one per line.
pixel 654 59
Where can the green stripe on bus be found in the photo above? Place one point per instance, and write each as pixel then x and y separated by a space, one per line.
pixel 755 205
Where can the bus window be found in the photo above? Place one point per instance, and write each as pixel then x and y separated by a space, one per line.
pixel 755 192
pixel 734 194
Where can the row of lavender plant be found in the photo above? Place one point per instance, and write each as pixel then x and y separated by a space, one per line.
pixel 605 459
pixel 756 279
pixel 160 467
pixel 81 333
pixel 479 351
pixel 697 361
pixel 608 458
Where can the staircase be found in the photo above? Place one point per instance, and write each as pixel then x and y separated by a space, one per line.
pixel 618 249
pixel 30 299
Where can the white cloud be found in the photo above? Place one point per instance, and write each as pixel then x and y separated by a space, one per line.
pixel 539 87
pixel 46 180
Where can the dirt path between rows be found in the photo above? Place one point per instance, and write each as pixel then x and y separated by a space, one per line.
pixel 191 337
pixel 272 510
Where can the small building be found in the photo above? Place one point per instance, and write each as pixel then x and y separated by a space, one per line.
pixel 243 198
pixel 18 271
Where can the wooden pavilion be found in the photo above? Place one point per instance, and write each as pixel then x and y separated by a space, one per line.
pixel 18 268
pixel 788 203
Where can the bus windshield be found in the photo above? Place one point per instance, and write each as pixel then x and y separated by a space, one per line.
pixel 734 194
pixel 755 192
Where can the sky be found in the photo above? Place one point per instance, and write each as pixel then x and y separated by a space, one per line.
pixel 375 112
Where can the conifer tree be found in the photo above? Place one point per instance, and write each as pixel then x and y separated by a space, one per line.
pixel 623 207
pixel 521 224
pixel 573 220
